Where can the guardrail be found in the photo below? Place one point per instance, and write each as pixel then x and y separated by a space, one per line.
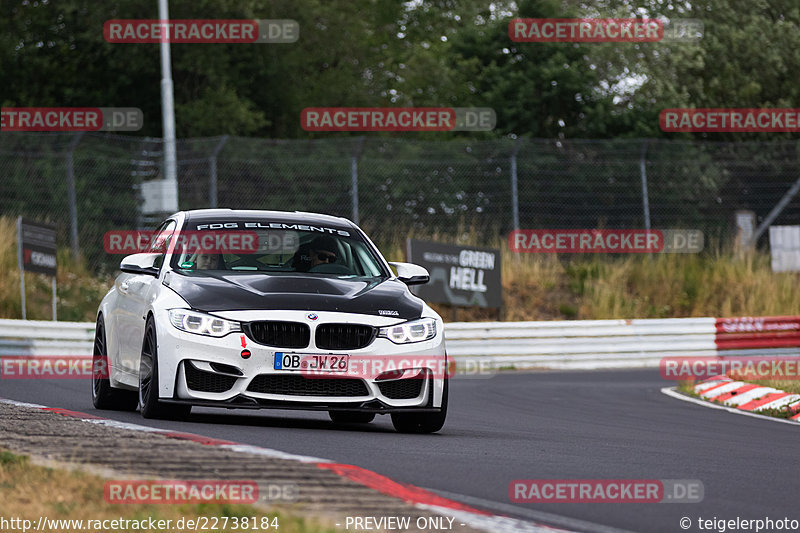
pixel 562 344
pixel 582 343
pixel 43 337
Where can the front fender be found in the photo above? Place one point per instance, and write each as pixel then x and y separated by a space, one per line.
pixel 158 308
pixel 117 376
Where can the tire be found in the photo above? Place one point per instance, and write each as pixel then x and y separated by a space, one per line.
pixel 104 396
pixel 148 381
pixel 422 422
pixel 351 417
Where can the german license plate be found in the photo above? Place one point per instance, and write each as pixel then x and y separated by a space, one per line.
pixel 311 362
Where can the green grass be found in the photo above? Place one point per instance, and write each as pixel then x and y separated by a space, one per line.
pixel 687 387
pixel 8 458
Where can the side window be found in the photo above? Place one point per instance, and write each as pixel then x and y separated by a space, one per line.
pixel 160 242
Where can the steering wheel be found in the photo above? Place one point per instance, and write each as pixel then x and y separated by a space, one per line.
pixel 330 268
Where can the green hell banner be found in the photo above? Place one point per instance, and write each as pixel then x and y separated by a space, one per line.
pixel 465 276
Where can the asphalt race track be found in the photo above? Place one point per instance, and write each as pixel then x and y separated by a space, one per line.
pixel 554 425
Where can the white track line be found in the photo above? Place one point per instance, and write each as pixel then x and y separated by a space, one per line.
pixel 671 391
pixel 551 518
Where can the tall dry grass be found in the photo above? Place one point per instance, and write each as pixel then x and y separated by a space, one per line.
pixel 717 282
pixel 78 291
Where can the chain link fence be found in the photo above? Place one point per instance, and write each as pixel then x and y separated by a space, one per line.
pixel 88 184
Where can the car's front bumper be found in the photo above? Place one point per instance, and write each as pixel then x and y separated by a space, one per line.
pixel 208 371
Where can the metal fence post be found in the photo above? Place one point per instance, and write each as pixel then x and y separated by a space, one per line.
pixel 71 197
pixel 643 172
pixel 170 203
pixel 514 186
pixel 21 267
pixel 770 218
pixel 212 172
pixel 354 177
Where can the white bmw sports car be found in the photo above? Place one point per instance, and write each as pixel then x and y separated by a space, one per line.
pixel 269 309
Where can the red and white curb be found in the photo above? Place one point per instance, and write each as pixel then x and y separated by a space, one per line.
pixel 415 496
pixel 740 397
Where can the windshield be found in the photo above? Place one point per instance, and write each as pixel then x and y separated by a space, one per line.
pixel 274 251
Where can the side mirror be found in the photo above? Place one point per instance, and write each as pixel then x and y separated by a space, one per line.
pixel 140 264
pixel 411 274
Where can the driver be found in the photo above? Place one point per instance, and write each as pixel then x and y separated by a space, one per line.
pixel 207 262
pixel 323 250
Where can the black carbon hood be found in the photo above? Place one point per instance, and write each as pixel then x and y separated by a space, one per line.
pixel 240 291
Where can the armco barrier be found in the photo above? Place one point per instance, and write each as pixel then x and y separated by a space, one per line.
pixel 551 344
pixel 582 343
pixel 41 337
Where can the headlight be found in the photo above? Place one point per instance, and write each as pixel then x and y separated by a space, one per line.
pixel 412 331
pixel 201 323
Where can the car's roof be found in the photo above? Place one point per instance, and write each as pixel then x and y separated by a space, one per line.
pixel 292 217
